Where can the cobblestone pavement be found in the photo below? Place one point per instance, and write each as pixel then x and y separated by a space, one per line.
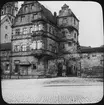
pixel 62 90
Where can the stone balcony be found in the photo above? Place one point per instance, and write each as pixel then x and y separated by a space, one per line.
pixel 40 53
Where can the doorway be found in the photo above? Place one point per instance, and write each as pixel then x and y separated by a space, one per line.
pixel 59 66
pixel 69 71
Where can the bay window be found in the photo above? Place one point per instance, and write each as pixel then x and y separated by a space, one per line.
pixel 38 44
pixel 38 27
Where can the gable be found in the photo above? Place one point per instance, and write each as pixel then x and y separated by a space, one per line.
pixel 32 11
pixel 6 19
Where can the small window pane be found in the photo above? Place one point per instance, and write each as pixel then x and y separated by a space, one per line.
pixel 35 28
pixel 39 44
pixel 25 31
pixel 40 27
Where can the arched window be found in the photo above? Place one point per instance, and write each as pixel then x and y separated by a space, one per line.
pixel 26 9
pixel 33 45
pixel 32 7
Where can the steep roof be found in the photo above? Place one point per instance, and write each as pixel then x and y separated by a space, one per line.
pixel 5 46
pixel 2 17
pixel 48 14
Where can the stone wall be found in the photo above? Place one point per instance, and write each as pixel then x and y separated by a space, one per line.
pixel 92 64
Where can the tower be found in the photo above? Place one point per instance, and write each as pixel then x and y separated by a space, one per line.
pixel 69 25
pixel 10 8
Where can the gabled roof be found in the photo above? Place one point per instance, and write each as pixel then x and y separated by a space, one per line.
pixel 48 14
pixel 4 18
pixel 5 46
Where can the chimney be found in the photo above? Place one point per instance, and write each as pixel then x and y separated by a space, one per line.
pixel 55 14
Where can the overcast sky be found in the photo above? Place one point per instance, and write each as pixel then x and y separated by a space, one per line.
pixel 90 17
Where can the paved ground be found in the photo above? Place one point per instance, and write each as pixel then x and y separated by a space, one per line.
pixel 61 90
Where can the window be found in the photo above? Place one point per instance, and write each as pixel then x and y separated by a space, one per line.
pixel 74 35
pixel 17 31
pixel 33 45
pixel 22 18
pixel 74 21
pixel 2 12
pixel 63 46
pixel 39 44
pixel 34 16
pixel 6 27
pixel 93 55
pixel 36 28
pixel 101 62
pixel 31 29
pixel 24 47
pixel 26 9
pixel 32 6
pixel 6 36
pixel 69 43
pixel 40 27
pixel 7 67
pixel 34 66
pixel 24 30
pixel 16 48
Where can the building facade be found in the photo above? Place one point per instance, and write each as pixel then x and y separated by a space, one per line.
pixel 92 61
pixel 41 42
pixel 8 13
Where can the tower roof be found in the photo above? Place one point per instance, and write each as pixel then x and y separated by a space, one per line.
pixel 65 6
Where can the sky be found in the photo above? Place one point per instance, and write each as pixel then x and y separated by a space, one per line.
pixel 90 17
